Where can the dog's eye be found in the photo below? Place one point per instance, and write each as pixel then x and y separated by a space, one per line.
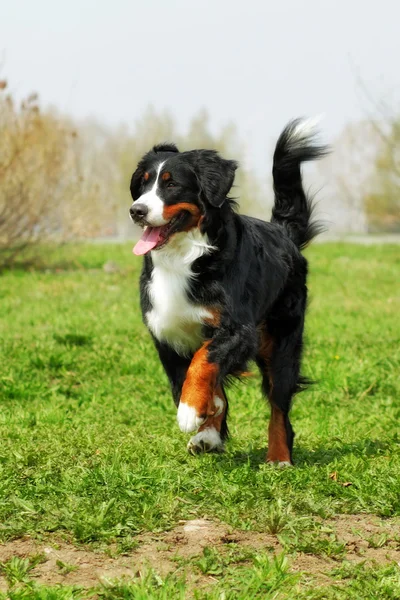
pixel 171 184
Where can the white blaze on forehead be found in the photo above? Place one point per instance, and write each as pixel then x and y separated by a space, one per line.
pixel 154 203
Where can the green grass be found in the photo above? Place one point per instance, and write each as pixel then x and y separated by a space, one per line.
pixel 90 448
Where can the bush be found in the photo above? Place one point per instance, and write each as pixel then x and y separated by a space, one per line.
pixel 382 204
pixel 46 192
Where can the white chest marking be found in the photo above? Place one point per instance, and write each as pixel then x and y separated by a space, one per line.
pixel 173 317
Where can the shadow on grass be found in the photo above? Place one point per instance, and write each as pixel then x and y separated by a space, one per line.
pixel 321 455
pixel 73 339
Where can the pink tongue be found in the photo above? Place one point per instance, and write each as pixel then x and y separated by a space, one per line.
pixel 150 238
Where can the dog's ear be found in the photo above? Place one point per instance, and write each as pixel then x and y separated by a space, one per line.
pixel 215 175
pixel 136 179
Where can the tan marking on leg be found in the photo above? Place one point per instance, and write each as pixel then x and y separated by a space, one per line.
pixel 208 437
pixel 215 414
pixel 200 383
pixel 278 450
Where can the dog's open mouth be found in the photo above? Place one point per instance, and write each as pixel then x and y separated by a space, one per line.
pixel 154 238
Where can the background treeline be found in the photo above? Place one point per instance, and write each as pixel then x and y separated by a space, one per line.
pixel 62 180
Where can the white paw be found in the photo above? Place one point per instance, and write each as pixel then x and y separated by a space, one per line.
pixel 207 440
pixel 187 418
pixel 280 463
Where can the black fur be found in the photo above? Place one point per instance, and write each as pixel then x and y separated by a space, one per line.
pixel 256 277
pixel 293 209
pixel 215 175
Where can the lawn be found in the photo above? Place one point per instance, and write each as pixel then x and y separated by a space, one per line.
pixel 98 496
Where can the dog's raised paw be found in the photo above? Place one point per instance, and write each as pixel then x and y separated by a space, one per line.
pixel 187 418
pixel 280 463
pixel 208 440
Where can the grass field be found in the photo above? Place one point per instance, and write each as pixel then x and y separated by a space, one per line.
pixel 98 497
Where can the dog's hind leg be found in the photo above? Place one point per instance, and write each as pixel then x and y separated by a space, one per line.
pixel 279 361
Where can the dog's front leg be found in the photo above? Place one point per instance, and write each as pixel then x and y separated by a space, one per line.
pixel 203 404
pixel 213 432
pixel 225 354
pixel 196 402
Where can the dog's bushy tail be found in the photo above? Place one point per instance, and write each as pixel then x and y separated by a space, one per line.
pixel 293 208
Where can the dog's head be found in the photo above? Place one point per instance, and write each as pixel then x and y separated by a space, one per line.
pixel 172 192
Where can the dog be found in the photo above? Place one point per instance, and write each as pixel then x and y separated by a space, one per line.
pixel 219 289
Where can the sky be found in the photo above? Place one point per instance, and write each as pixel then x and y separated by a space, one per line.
pixel 257 63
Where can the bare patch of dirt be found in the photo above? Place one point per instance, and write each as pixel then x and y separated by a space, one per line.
pixel 87 567
pixel 191 537
pixel 314 568
pixel 366 539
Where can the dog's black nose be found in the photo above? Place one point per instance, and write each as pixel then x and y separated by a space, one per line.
pixel 138 211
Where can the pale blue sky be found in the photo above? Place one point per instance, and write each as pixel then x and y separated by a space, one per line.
pixel 257 63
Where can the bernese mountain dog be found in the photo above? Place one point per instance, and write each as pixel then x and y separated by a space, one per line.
pixel 220 289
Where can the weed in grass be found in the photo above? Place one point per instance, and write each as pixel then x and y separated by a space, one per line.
pixel 17 569
pixel 375 583
pixel 66 568
pixel 378 541
pixel 277 516
pixel 311 543
pixel 126 545
pixel 45 593
pixel 151 585
pixel 213 562
pixel 243 573
pixel 266 579
pixel 95 527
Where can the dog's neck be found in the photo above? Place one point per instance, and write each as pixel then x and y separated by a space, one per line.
pixel 182 250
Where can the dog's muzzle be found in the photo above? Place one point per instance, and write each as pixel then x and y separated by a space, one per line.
pixel 138 212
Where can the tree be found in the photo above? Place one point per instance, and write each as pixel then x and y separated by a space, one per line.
pixel 49 190
pixel 382 203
